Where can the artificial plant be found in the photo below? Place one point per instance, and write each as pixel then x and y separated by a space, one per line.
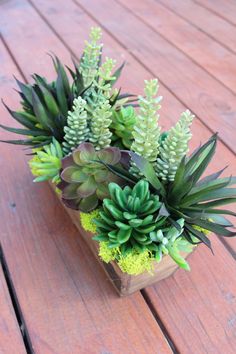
pixel 138 191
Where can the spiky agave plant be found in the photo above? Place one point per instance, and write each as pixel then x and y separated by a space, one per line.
pixel 45 107
pixel 195 199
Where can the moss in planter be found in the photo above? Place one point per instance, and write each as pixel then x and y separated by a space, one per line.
pixel 86 220
pixel 136 262
pixel 107 254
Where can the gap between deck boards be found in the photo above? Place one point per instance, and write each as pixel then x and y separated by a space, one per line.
pixel 15 304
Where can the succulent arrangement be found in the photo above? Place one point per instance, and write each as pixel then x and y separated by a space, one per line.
pixel 135 186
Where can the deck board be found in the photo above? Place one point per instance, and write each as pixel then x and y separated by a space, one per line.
pixel 205 20
pixel 198 46
pixel 10 337
pixel 224 9
pixel 67 302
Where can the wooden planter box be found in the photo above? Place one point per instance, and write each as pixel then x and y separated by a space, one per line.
pixel 124 284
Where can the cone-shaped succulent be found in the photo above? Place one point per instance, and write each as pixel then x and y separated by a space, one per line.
pixel 122 127
pixel 77 129
pixel 46 163
pixel 174 147
pixel 128 217
pixel 146 130
pixel 91 56
pixel 84 179
pixel 100 134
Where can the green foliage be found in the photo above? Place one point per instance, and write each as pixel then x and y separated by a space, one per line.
pixel 91 56
pixel 195 200
pixel 100 134
pixel 146 131
pixel 77 130
pixel 128 217
pixel 122 126
pixel 174 147
pixel 46 163
pixel 45 107
pixel 84 179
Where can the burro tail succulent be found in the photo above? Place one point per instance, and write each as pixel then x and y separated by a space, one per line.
pixel 128 217
pixel 84 179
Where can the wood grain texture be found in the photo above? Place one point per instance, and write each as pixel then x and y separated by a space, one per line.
pixel 199 308
pixel 224 9
pixel 210 55
pixel 205 20
pixel 205 96
pixel 66 300
pixel 76 20
pixel 10 337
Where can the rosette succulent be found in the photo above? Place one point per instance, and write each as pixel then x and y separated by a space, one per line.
pixel 85 179
pixel 128 217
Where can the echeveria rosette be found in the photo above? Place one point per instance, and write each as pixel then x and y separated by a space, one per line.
pixel 128 217
pixel 84 179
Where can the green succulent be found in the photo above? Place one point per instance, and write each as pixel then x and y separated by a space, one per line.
pixel 46 163
pixel 76 130
pixel 45 107
pixel 84 179
pixel 91 56
pixel 122 126
pixel 173 147
pixel 128 217
pixel 168 241
pixel 146 131
pixel 195 200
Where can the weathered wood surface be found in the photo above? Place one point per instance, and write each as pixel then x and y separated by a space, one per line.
pixel 66 300
pixel 224 9
pixel 10 338
pixel 217 28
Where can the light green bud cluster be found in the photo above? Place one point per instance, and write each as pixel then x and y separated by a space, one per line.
pixel 100 135
pixel 77 129
pixel 174 147
pixel 91 56
pixel 146 131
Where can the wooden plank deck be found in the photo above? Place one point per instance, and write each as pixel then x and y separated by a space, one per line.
pixel 65 301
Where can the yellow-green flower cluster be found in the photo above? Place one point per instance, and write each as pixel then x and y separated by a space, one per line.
pixel 86 220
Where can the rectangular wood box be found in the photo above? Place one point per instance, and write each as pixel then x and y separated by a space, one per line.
pixel 124 284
